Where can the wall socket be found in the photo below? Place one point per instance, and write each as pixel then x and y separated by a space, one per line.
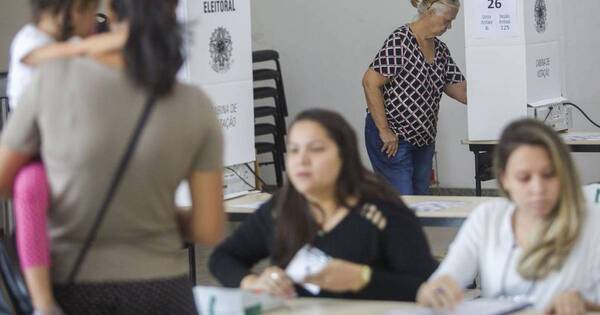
pixel 232 182
pixel 558 116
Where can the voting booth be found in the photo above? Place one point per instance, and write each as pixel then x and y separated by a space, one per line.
pixel 218 51
pixel 219 60
pixel 513 65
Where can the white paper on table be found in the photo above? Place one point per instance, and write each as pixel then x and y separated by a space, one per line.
pixel 235 194
pixel 307 261
pixel 216 300
pixel 435 205
pixel 474 307
pixel 582 137
pixel 253 205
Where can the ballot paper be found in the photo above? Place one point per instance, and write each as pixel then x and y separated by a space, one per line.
pixel 474 307
pixel 581 137
pixel 435 205
pixel 307 261
pixel 252 205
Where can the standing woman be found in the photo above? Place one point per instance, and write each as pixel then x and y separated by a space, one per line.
pixel 56 31
pixel 403 87
pixel 333 203
pixel 539 244
pixel 79 115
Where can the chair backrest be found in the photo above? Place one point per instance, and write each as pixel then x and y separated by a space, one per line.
pixel 3 83
pixel 264 55
pixel 4 107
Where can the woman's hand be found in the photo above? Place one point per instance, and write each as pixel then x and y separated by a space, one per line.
pixel 390 142
pixel 567 303
pixel 442 293
pixel 272 280
pixel 339 276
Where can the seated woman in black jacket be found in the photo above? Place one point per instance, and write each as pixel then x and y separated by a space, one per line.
pixel 336 205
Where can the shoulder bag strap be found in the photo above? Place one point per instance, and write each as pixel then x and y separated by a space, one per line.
pixel 118 174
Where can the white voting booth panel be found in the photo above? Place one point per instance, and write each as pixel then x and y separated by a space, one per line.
pixel 513 59
pixel 234 107
pixel 220 49
pixel 219 60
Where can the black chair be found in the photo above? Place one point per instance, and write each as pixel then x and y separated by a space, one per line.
pixel 271 92
pixel 4 105
pixel 270 74
pixel 5 207
pixel 191 247
pixel 268 147
pixel 278 112
pixel 264 129
pixel 265 55
pixel 3 78
pixel 269 111
pixel 277 148
pixel 265 111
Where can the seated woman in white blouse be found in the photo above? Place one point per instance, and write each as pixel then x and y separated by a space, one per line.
pixel 539 244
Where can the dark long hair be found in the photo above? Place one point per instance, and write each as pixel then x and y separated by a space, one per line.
pixel 295 224
pixel 153 50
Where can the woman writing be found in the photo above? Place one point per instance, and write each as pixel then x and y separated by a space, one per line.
pixel 539 244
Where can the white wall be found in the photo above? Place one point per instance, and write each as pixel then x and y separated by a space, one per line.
pixel 326 46
pixel 581 47
pixel 13 15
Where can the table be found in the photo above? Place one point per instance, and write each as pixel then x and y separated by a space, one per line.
pixel 239 208
pixel 452 216
pixel 484 148
pixel 313 306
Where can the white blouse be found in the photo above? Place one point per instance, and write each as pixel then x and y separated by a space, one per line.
pixel 27 40
pixel 486 245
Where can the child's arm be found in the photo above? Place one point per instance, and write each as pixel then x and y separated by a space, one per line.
pixel 105 42
pixel 52 51
pixel 93 45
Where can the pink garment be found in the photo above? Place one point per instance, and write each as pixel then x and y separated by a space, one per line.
pixel 30 203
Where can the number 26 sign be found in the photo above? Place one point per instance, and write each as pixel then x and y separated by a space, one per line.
pixel 496 18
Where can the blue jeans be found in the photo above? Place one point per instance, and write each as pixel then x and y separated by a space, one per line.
pixel 409 170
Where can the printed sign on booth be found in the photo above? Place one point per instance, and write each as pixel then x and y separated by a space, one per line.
pixel 219 60
pixel 496 18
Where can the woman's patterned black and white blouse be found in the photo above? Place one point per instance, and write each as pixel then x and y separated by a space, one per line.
pixel 412 95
